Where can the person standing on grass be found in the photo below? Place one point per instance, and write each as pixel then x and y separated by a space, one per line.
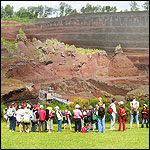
pixel 35 117
pixel 6 117
pixel 91 123
pixel 77 116
pixel 101 115
pixel 113 115
pixel 59 117
pixel 145 116
pixel 67 115
pixel 27 118
pixel 122 115
pixel 12 117
pixel 49 118
pixel 19 117
pixel 41 118
pixel 84 116
pixel 134 113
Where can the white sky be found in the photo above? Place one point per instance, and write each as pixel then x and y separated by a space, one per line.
pixel 121 5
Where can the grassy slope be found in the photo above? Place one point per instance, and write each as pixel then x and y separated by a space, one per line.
pixel 131 139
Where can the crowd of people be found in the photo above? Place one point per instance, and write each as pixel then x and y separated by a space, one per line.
pixel 28 117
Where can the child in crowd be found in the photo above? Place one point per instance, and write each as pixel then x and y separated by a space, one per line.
pixel 145 115
pixel 122 115
pixel 6 117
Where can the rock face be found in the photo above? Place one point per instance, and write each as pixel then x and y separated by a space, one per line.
pixel 99 30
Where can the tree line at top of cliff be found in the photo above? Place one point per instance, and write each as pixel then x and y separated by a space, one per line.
pixel 33 12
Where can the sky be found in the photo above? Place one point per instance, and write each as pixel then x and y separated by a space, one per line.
pixel 121 5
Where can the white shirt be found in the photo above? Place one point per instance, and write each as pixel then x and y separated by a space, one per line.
pixel 133 104
pixel 19 115
pixel 113 106
pixel 58 113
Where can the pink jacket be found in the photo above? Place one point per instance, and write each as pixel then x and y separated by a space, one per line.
pixel 77 113
pixel 41 115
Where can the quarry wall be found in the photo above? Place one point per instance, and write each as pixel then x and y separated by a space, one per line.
pixel 99 30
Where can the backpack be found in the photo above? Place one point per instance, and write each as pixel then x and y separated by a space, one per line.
pixel 51 115
pixel 123 112
pixel 85 130
pixel 26 117
pixel 101 112
pixel 110 110
pixel 34 117
pixel 94 116
pixel 134 111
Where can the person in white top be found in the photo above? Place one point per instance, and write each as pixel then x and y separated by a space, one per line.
pixel 19 117
pixel 113 115
pixel 59 116
pixel 134 112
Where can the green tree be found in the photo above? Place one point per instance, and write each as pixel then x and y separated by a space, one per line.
pixel 22 13
pixel 62 9
pixel 48 11
pixel 74 11
pixel 68 9
pixel 9 11
pixel 2 12
pixel 40 11
pixel 134 6
pixel 146 5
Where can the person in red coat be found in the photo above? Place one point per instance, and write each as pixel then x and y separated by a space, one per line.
pixel 122 115
pixel 41 118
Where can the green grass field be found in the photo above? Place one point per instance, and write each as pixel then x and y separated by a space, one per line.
pixel 131 139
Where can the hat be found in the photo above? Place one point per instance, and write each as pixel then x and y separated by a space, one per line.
pixel 34 106
pixel 121 102
pixel 145 105
pixel 57 107
pixel 49 108
pixel 23 105
pixel 100 99
pixel 41 106
pixel 77 106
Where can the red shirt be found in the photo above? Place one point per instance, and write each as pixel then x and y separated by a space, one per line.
pixel 41 115
pixel 144 113
pixel 119 114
